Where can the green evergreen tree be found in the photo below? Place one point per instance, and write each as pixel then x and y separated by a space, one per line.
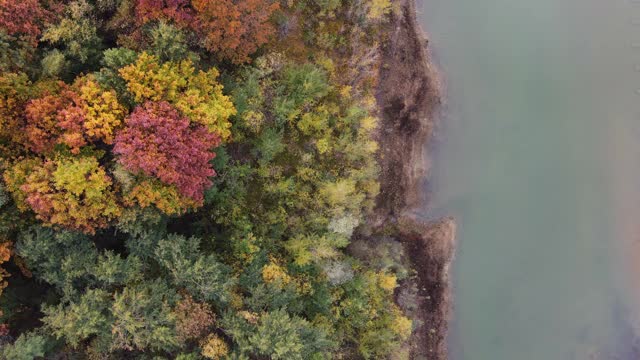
pixel 202 275
pixel 28 346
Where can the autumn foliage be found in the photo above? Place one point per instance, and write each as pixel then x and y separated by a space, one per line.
pixel 5 254
pixel 235 29
pixel 55 119
pixel 232 30
pixel 15 91
pixel 196 94
pixel 102 112
pixel 75 193
pixel 157 141
pixel 74 116
pixel 166 198
pixel 178 11
pixel 26 18
pixel 165 143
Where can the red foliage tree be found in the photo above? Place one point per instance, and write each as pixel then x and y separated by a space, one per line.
pixel 178 11
pixel 26 18
pixel 157 141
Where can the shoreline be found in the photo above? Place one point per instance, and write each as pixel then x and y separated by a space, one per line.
pixel 409 97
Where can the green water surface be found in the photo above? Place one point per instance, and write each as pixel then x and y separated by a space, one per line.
pixel 540 94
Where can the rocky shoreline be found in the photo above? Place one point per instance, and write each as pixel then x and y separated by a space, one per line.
pixel 409 98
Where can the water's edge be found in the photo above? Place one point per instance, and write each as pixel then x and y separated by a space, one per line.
pixel 409 99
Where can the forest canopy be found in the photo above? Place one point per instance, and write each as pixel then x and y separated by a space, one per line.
pixel 181 180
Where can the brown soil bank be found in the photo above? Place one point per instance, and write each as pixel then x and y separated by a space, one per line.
pixel 408 98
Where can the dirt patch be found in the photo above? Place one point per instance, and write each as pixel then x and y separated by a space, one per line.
pixel 426 297
pixel 408 100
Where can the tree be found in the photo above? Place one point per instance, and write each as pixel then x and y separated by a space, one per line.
pixel 299 86
pixel 26 19
pixel 76 38
pixel 312 150
pixel 234 29
pixel 16 176
pixel 103 113
pixel 72 192
pixel 196 94
pixel 143 318
pixel 202 275
pixel 82 318
pixel 367 315
pixel 308 248
pixel 166 198
pixel 15 91
pixel 193 319
pixel 63 259
pixel 158 142
pixel 111 269
pixel 109 77
pixel 55 119
pixel 267 286
pixel 74 116
pixel 214 347
pixel 276 335
pixel 169 43
pixel 28 347
pixel 378 8
pixel 178 11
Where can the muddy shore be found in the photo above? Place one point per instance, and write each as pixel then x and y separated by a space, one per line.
pixel 409 99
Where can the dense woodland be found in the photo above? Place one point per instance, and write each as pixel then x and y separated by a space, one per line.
pixel 181 178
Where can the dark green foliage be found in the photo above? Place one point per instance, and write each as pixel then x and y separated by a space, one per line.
pixel 112 269
pixel 270 297
pixel 27 347
pixel 268 145
pixel 144 228
pixel 4 197
pixel 190 356
pixel 263 296
pixel 13 53
pixel 76 37
pixel 169 43
pixel 202 275
pixel 276 335
pixel 117 58
pixel 63 259
pixel 112 60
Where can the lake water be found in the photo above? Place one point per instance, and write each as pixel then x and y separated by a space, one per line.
pixel 539 161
